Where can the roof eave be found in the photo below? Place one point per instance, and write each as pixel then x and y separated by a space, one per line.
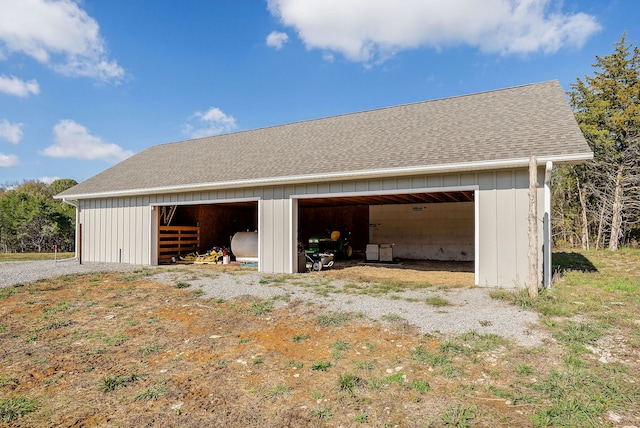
pixel 315 178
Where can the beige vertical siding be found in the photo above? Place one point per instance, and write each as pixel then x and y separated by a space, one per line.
pixel 124 229
pixel 503 229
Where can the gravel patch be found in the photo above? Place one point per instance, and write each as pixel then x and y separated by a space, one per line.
pixel 22 272
pixel 469 309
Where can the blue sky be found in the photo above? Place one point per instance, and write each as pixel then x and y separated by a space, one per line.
pixel 85 84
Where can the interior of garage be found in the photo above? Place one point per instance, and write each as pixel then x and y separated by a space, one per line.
pixel 215 225
pixel 424 226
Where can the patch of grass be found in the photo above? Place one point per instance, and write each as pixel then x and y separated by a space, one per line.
pixel 322 366
pixel 349 382
pixel 324 413
pixel 459 416
pixel 518 297
pixel 260 308
pixel 120 305
pixel 60 307
pixel 316 395
pixel 437 301
pixel 333 318
pixel 274 279
pixel 183 284
pixel 578 333
pixel 367 365
pixel 110 382
pixel 578 396
pixel 16 407
pixel 8 381
pixel 397 378
pixel 153 392
pixel 21 257
pixel 115 340
pixel 295 364
pixel 341 345
pixel 420 386
pixel 523 369
pixel 393 318
pixel 423 355
pixel 150 349
pixel 361 418
pixel 279 390
pixel 300 337
pixel 6 292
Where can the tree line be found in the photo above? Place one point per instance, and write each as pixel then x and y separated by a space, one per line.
pixel 597 204
pixel 32 221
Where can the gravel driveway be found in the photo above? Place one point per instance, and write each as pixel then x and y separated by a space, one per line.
pixel 469 309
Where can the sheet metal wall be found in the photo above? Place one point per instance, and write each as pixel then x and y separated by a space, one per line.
pixel 124 229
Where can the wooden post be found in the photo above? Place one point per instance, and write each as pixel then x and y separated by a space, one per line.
pixel 534 281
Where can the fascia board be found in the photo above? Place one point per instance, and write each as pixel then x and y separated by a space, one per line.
pixel 356 175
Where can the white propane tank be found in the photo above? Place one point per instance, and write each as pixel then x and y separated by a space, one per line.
pixel 244 245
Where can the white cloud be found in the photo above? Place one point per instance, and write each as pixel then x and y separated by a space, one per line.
pixel 276 39
pixel 374 30
pixel 73 140
pixel 12 132
pixel 7 161
pixel 48 180
pixel 57 33
pixel 211 122
pixel 13 86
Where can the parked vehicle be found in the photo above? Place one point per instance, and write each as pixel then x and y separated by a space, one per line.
pixel 333 242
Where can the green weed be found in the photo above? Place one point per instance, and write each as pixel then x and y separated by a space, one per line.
pixel 322 366
pixel 279 390
pixel 420 386
pixel 322 414
pixel 150 349
pixel 115 340
pixel 437 302
pixel 260 308
pixel 333 318
pixel 8 381
pixel 361 418
pixel 300 337
pixel 16 407
pixel 340 345
pixel 459 416
pixel 110 382
pixel 349 382
pixel 153 392
pixel 393 318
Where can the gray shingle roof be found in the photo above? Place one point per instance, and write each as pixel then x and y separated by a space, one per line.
pixel 478 130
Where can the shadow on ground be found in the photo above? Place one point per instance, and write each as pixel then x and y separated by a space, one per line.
pixel 568 261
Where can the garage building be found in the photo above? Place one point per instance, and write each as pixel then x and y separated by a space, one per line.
pixel 440 180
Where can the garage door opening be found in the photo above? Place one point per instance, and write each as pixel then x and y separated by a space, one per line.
pixel 429 231
pixel 185 229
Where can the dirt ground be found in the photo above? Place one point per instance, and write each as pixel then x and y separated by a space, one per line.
pixel 441 274
pixel 120 350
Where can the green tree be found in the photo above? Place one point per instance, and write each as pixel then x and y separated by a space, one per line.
pixel 61 185
pixel 31 220
pixel 607 108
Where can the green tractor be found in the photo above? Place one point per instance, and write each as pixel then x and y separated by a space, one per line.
pixel 335 243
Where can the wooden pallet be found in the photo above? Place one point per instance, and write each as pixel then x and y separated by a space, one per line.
pixel 176 241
